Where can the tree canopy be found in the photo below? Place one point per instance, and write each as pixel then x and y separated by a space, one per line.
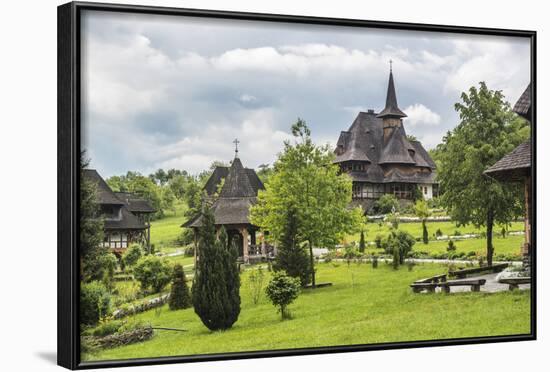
pixel 306 180
pixel 487 131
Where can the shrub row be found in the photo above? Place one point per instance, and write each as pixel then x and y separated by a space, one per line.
pixel 90 343
pixel 141 307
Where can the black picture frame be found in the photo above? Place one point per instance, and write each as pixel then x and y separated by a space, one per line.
pixel 68 109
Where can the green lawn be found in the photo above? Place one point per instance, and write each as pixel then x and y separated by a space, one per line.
pixel 372 229
pixel 363 306
pixel 165 231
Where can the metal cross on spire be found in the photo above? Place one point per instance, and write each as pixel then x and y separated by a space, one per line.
pixel 236 142
pixel 391 62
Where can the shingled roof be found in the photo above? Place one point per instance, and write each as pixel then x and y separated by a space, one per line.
pixel 515 166
pixel 365 140
pixel 512 167
pixel 396 151
pixel 391 109
pixel 221 173
pixel 523 105
pixel 106 196
pixel 237 195
pixel 134 203
pixel 104 193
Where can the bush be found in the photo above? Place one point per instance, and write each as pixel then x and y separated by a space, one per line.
pixel 152 272
pixel 132 255
pixel 109 262
pixel 282 290
pixel 378 241
pixel 399 244
pixel 95 302
pixel 451 247
pixel 374 262
pixel 107 328
pixel 256 281
pixel 438 233
pixel 179 293
pixel 387 203
pixel 216 284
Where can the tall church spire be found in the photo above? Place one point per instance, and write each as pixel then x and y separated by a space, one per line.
pixel 391 110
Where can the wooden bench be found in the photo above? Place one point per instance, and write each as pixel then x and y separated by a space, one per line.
pixel 513 283
pixel 462 273
pixel 433 279
pixel 474 284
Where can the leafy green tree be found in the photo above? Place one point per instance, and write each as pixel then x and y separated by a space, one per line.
pixel 387 203
pixel 179 293
pixel 264 171
pixel 168 199
pixel 109 263
pixel 488 130
pixel 178 185
pixel 423 212
pixel 291 256
pixel 306 179
pixel 362 244
pixel 91 228
pixel 216 284
pixel 152 272
pixel 282 290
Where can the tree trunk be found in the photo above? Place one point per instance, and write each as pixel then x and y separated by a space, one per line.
pixel 490 222
pixel 312 264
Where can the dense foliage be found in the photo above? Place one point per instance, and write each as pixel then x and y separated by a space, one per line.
pixel 291 256
pixel 95 302
pixel 152 273
pixel 487 131
pixel 179 293
pixel 215 291
pixel 398 243
pixel 305 179
pixel 92 252
pixel 387 203
pixel 282 290
pixel 132 255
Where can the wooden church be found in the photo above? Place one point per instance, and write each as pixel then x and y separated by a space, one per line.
pixel 377 154
pixel 239 191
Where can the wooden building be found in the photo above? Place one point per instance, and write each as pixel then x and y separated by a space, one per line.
pixel 231 207
pixel 126 216
pixel 516 167
pixel 376 152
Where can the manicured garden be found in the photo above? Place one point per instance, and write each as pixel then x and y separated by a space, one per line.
pixel 364 305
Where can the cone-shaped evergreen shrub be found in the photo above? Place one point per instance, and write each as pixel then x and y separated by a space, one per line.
pixel 425 236
pixel 291 257
pixel 362 242
pixel 179 294
pixel 216 284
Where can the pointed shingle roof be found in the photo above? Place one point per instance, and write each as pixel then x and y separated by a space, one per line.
pixel 397 149
pixel 238 194
pixel 237 184
pixel 391 110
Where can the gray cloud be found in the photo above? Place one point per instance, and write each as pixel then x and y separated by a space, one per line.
pixel 173 92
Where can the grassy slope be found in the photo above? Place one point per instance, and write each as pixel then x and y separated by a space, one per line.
pixel 166 230
pixel 379 307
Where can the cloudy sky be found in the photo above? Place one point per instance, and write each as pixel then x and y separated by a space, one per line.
pixel 173 92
